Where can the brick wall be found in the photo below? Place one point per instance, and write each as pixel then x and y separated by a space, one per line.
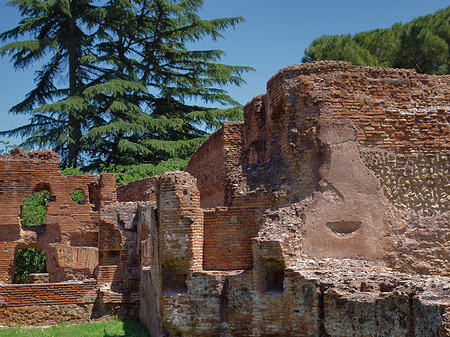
pixel 139 190
pixel 69 236
pixel 392 108
pixel 229 232
pixel 255 131
pixel 289 158
pixel 70 239
pixel 212 163
pixel 181 232
pixel 47 303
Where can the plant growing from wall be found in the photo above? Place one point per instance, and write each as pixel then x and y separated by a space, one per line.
pixel 34 208
pixel 28 261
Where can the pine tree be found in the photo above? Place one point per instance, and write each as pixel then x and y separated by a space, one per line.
pixel 422 44
pixel 132 79
pixel 55 30
pixel 151 76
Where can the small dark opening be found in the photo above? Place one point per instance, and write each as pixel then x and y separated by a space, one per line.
pixel 173 282
pixel 94 196
pixel 273 276
pixel 29 261
pixel 274 282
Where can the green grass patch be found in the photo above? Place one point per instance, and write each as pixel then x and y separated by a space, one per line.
pixel 114 328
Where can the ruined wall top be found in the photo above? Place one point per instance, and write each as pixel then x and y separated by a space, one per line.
pixel 396 109
pixel 34 156
pixel 326 67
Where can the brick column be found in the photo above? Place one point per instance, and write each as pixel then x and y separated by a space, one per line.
pixel 181 222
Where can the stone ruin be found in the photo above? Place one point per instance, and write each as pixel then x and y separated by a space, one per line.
pixel 324 213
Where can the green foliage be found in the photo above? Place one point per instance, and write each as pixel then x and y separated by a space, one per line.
pixel 422 44
pixel 342 47
pixel 34 208
pixel 29 260
pixel 78 196
pixel 130 79
pixel 114 328
pixel 6 147
pixel 72 171
pixel 127 173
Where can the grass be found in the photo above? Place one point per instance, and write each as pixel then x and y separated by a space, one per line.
pixel 114 328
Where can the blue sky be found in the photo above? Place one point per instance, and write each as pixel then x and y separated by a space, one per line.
pixel 274 36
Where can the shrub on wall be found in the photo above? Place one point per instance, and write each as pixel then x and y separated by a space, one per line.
pixel 34 208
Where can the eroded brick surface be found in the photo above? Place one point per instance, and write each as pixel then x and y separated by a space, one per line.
pixel 335 216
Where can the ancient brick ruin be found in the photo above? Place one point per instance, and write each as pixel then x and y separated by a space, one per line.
pixel 324 213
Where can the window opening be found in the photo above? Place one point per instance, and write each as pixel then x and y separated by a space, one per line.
pixel 274 282
pixel 29 261
pixel 34 208
pixel 78 196
pixel 273 277
pixel 173 282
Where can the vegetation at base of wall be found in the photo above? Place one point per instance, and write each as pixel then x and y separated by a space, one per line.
pixel 127 173
pixel 422 44
pixel 116 328
pixel 78 196
pixel 34 208
pixel 28 261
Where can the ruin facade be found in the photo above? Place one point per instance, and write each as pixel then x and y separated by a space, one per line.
pixel 324 213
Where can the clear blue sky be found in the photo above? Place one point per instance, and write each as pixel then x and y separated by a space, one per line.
pixel 274 36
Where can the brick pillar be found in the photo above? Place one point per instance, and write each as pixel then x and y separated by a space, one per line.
pixel 181 222
pixel 108 189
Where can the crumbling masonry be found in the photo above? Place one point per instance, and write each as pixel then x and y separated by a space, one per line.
pixel 324 213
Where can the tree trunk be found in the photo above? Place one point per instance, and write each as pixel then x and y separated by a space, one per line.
pixel 74 124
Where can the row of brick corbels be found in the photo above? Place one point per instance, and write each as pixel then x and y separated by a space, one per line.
pixel 181 222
